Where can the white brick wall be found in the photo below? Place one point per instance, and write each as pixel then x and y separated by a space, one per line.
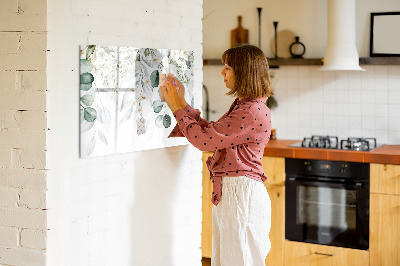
pixel 141 208
pixel 23 132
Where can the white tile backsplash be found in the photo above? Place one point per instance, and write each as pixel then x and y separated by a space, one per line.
pixel 343 103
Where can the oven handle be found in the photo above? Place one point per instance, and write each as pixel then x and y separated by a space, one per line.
pixel 357 185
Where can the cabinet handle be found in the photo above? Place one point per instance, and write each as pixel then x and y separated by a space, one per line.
pixel 324 254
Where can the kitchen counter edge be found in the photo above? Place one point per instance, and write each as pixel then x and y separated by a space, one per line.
pixel 385 154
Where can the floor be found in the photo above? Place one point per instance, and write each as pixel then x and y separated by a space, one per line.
pixel 206 261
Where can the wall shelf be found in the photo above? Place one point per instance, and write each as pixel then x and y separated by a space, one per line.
pixel 274 63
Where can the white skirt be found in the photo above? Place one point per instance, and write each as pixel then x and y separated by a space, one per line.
pixel 241 223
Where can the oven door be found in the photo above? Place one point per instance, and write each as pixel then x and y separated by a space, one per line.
pixel 327 213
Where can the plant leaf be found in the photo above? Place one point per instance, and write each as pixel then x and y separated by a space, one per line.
pixel 87 99
pixel 85 87
pixel 90 114
pixel 102 137
pixel 106 117
pixel 127 115
pixel 89 51
pixel 86 126
pixel 157 106
pixel 155 78
pixel 126 99
pixel 86 66
pixel 159 121
pixel 87 78
pixel 90 147
pixel 166 121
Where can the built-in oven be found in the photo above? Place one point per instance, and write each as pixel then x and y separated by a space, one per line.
pixel 327 202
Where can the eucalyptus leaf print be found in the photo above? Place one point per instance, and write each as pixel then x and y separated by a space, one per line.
pixel 86 126
pixel 127 115
pixel 120 104
pixel 102 137
pixel 166 121
pixel 155 78
pixel 157 106
pixel 87 99
pixel 90 147
pixel 160 121
pixel 90 114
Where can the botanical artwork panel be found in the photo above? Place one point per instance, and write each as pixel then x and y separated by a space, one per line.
pixel 121 106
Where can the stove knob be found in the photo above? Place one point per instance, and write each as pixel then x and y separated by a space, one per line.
pixel 343 168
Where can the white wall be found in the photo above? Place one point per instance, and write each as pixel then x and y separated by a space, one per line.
pixel 23 133
pixel 311 102
pixel 306 19
pixel 141 208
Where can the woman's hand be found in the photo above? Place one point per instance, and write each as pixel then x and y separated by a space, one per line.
pixel 172 95
pixel 181 90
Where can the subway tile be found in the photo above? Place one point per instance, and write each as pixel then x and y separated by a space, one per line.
pixel 382 136
pixel 394 97
pixel 394 136
pixel 380 97
pixel 367 96
pixel 394 110
pixel 381 84
pixel 382 110
pixel 355 109
pixel 380 71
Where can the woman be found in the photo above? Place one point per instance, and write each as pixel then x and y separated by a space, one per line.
pixel 242 208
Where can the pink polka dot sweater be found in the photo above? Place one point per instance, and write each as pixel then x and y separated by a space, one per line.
pixel 238 139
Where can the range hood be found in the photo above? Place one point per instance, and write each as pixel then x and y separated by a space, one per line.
pixel 341 51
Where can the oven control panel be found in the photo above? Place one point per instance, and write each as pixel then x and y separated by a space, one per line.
pixel 337 169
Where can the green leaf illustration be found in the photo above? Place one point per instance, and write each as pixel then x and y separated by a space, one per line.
pixel 86 87
pixel 166 121
pixel 90 114
pixel 90 146
pixel 159 121
pixel 86 126
pixel 86 66
pixel 102 137
pixel 87 78
pixel 87 99
pixel 157 106
pixel 155 78
pixel 127 115
pixel 89 51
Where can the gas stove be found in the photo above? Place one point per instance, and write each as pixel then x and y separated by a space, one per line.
pixel 332 142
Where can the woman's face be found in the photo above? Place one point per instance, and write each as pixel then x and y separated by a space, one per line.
pixel 229 76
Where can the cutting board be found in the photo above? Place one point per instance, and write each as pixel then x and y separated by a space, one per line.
pixel 239 35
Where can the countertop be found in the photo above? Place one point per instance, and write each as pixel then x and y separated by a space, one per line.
pixel 389 154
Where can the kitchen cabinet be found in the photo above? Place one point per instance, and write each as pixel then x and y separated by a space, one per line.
pixel 206 225
pixel 274 168
pixel 305 254
pixel 385 215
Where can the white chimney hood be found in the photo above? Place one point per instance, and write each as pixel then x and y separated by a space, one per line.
pixel 341 51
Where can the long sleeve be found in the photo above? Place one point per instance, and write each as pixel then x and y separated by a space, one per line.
pixel 231 130
pixel 193 113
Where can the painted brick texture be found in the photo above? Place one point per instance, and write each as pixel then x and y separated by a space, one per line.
pixel 23 126
pixel 141 208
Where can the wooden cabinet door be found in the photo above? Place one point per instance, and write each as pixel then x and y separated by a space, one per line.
pixel 304 254
pixel 277 233
pixel 385 178
pixel 274 168
pixel 384 236
pixel 206 226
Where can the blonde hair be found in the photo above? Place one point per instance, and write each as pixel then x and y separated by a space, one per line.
pixel 250 66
